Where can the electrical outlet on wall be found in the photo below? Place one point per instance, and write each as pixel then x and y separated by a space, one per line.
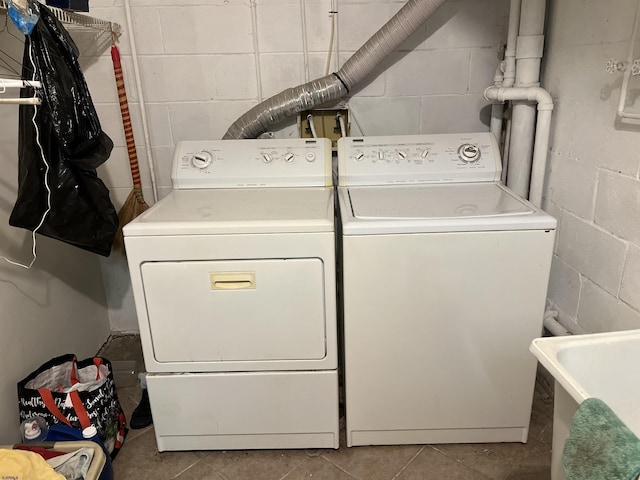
pixel 327 123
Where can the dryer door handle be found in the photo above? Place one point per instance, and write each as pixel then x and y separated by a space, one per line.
pixel 232 280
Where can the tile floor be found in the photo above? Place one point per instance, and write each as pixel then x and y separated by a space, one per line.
pixel 140 460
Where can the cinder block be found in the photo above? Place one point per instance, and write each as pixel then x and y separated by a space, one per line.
pixel 318 23
pixel 279 28
pixel 572 185
pixel 591 251
pixel 163 159
pixel 455 114
pixel 433 72
pixel 280 71
pixel 198 77
pixel 562 121
pixel 468 23
pixel 599 311
pixel 484 62
pixel 147 30
pixel 207 29
pixel 122 314
pixel 586 22
pixel 401 115
pixel 197 121
pixel 159 125
pixel 618 205
pixel 564 286
pixel 359 21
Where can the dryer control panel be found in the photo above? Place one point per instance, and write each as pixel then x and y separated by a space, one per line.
pixel 252 163
pixel 409 159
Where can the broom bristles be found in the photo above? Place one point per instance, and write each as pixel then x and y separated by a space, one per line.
pixel 133 206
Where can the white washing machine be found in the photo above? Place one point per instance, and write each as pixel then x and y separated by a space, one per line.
pixel 233 275
pixel 445 275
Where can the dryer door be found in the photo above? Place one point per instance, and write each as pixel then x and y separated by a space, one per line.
pixel 234 311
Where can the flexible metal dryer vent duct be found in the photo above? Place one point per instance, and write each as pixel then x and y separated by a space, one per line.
pixel 337 85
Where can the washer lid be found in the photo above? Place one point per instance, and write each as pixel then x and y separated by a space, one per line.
pixel 437 208
pixel 225 211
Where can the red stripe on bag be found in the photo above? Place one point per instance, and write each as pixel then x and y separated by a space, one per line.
pixel 47 398
pixel 97 361
pixel 74 373
pixel 81 412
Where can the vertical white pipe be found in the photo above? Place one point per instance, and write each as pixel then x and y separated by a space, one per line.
pixel 143 110
pixel 505 76
pixel 540 154
pixel 305 49
pixel 256 48
pixel 495 127
pixel 524 113
pixel 512 38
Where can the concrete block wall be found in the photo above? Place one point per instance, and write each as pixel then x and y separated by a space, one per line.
pixel 200 62
pixel 593 179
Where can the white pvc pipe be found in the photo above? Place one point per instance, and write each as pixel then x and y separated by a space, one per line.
pixel 552 324
pixel 512 38
pixel 528 58
pixel 497 109
pixel 543 130
pixel 505 75
pixel 540 155
pixel 256 49
pixel 143 112
pixel 495 127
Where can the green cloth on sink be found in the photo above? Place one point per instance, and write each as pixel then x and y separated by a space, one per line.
pixel 600 446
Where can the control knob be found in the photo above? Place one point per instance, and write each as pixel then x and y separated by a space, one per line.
pixel 468 153
pixel 201 160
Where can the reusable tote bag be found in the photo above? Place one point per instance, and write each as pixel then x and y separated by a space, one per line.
pixel 75 393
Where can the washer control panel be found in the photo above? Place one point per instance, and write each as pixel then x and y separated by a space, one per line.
pixel 438 158
pixel 252 163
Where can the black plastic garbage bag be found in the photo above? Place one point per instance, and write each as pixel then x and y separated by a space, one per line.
pixel 73 145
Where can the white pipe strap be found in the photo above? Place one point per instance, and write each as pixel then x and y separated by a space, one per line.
pixel 531 94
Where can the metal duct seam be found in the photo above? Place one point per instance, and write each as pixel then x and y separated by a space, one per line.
pixel 333 87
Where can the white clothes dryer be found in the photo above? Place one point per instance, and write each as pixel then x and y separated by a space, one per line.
pixel 445 275
pixel 233 276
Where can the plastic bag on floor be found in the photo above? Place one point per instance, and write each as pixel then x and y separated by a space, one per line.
pixel 72 142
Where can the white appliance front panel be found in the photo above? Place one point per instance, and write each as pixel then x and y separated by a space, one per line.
pixel 252 163
pixel 436 333
pixel 235 311
pixel 411 159
pixel 199 249
pixel 223 411
pixel 213 211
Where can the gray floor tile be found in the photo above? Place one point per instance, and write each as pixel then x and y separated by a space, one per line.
pixel 495 460
pixel 140 460
pixel 248 464
pixel 317 468
pixel 372 463
pixel 432 465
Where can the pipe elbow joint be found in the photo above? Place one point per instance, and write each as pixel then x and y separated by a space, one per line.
pixel 532 94
pixel 542 98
